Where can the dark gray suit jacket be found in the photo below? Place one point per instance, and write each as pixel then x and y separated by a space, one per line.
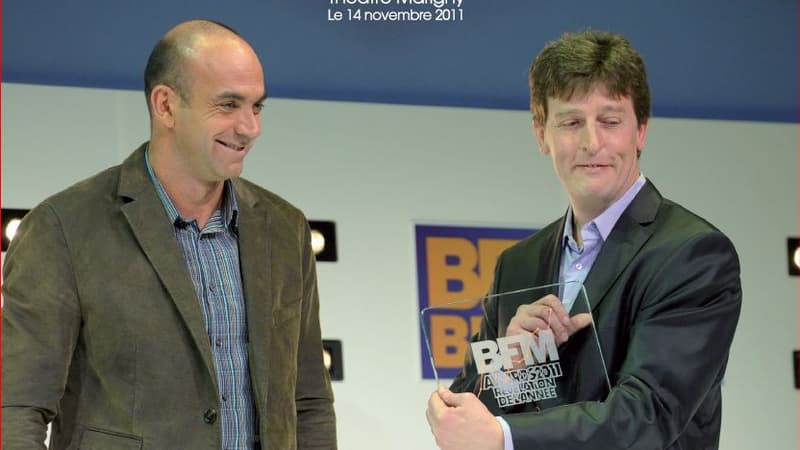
pixel 104 335
pixel 665 295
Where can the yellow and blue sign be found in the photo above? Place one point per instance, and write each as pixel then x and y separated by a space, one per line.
pixel 455 263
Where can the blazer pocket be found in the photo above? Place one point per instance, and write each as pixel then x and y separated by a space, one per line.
pixel 96 439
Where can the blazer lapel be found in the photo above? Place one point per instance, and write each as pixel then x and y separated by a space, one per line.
pixel 543 255
pixel 151 228
pixel 255 251
pixel 552 256
pixel 628 236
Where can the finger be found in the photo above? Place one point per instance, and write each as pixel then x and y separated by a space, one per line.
pixel 536 317
pixel 433 422
pixel 435 403
pixel 527 324
pixel 560 331
pixel 443 392
pixel 557 311
pixel 430 419
pixel 435 411
pixel 524 320
pixel 447 397
pixel 579 322
pixel 549 312
pixel 545 310
pixel 453 399
pixel 548 299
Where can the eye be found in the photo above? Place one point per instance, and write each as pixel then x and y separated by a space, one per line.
pixel 229 105
pixel 610 121
pixel 569 123
pixel 258 107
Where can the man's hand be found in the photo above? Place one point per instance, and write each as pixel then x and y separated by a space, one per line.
pixel 547 313
pixel 462 422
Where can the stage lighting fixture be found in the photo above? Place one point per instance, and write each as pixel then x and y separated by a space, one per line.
pixel 11 220
pixel 332 357
pixel 323 240
pixel 793 255
pixel 796 355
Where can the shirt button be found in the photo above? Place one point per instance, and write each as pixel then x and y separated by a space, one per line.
pixel 579 266
pixel 210 416
pixel 218 342
pixel 224 398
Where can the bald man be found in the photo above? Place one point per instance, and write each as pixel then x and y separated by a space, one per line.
pixel 166 303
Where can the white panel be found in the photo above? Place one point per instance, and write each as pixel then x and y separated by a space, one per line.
pixel 53 137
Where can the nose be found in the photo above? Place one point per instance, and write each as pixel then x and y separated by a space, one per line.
pixel 590 138
pixel 249 124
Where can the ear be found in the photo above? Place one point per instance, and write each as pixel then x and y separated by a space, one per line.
pixel 641 136
pixel 538 133
pixel 163 101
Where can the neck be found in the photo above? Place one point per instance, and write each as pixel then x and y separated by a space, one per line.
pixel 586 209
pixel 577 224
pixel 581 216
pixel 193 198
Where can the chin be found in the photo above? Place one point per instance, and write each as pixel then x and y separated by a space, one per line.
pixel 232 172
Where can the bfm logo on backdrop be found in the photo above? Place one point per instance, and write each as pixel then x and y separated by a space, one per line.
pixel 455 263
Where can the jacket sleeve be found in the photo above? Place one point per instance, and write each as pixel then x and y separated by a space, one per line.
pixel 41 321
pixel 316 420
pixel 677 353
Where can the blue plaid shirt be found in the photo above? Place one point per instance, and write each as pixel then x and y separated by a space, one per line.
pixel 212 255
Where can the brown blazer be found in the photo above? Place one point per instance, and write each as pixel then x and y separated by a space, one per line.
pixel 103 334
pixel 665 295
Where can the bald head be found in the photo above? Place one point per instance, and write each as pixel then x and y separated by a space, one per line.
pixel 169 61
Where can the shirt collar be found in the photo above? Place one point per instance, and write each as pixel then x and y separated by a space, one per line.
pixel 605 222
pixel 230 209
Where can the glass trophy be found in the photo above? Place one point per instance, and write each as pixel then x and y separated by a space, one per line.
pixel 523 371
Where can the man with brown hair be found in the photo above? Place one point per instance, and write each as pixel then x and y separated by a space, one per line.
pixel 663 284
pixel 167 303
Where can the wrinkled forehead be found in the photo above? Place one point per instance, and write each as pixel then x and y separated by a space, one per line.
pixel 226 63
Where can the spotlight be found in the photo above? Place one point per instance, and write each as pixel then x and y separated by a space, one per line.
pixel 323 240
pixel 796 355
pixel 793 255
pixel 332 357
pixel 11 220
pixel 317 242
pixel 796 258
pixel 11 228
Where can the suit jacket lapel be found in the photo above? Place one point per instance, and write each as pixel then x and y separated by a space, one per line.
pixel 254 251
pixel 544 256
pixel 628 236
pixel 552 257
pixel 151 228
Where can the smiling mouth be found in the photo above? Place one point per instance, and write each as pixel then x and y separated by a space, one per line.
pixel 238 148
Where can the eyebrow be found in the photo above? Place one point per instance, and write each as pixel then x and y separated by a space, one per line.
pixel 612 108
pixel 565 113
pixel 604 109
pixel 231 95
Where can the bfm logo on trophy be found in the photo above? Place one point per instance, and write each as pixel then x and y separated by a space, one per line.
pixel 519 368
pixel 456 263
